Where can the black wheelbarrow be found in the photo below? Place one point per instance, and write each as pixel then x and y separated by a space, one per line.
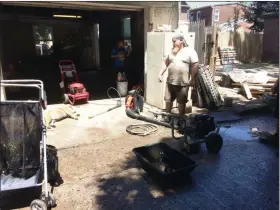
pixel 163 162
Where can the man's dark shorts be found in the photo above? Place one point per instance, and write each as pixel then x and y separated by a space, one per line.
pixel 173 92
pixel 118 69
pixel 276 110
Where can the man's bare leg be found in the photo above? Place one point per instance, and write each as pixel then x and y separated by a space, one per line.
pixel 182 109
pixel 168 110
pixel 168 106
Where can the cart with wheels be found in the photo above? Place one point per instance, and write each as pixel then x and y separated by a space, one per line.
pixel 23 149
pixel 196 129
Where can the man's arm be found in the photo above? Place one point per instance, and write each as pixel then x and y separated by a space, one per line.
pixel 194 70
pixel 128 52
pixel 194 66
pixel 164 66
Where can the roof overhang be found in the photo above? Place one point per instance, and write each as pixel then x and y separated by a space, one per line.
pixel 125 6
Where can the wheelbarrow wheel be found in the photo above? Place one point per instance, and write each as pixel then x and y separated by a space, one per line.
pixel 38 205
pixel 65 98
pixel 214 143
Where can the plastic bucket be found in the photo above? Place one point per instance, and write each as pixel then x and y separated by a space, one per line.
pixel 122 87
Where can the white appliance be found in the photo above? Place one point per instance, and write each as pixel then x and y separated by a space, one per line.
pixel 158 45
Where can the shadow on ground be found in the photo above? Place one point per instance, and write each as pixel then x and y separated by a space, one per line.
pixel 243 176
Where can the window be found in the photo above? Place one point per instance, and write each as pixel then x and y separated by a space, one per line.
pixel 191 16
pixel 198 15
pixel 216 15
pixel 127 32
pixel 43 36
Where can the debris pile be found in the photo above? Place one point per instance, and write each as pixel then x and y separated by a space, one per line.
pixel 251 85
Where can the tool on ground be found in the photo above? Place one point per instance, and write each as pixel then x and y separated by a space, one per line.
pixel 135 102
pixel 119 104
pixel 196 129
pixel 72 89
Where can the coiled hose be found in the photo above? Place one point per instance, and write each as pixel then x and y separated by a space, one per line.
pixel 141 129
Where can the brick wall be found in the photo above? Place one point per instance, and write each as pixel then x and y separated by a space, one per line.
pixel 271 39
pixel 227 12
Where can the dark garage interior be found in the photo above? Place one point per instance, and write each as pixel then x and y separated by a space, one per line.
pixel 36 38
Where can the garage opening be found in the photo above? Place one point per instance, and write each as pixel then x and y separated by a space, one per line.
pixel 35 39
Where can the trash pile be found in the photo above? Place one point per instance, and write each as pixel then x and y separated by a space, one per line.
pixel 252 85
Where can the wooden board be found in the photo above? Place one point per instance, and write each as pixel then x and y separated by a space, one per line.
pixel 247 91
pixel 262 85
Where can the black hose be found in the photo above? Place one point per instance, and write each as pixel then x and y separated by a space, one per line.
pixel 132 114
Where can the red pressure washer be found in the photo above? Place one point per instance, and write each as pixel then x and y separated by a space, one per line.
pixel 72 89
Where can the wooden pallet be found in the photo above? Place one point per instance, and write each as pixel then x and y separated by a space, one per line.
pixel 231 53
pixel 255 90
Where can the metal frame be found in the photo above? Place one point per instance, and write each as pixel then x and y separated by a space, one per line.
pixel 40 86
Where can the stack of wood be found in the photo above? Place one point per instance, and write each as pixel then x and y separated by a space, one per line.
pixel 255 90
pixel 227 55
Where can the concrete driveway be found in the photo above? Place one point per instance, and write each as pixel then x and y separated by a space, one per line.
pixel 100 171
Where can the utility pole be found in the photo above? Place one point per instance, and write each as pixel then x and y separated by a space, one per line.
pixel 213 49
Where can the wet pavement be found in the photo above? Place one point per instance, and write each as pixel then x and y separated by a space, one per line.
pixel 243 176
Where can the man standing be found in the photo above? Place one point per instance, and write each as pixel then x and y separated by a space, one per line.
pixel 181 62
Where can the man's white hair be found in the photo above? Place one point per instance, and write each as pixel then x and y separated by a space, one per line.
pixel 180 37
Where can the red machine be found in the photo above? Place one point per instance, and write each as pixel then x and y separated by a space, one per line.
pixel 72 90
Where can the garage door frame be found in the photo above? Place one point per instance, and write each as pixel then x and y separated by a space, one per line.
pixel 79 5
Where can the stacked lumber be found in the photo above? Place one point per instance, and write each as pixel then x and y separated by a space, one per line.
pixel 256 90
pixel 227 55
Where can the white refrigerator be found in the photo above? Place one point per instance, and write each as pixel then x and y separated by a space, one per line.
pixel 158 45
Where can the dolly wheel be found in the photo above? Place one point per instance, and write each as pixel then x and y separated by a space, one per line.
pixel 38 205
pixel 65 99
pixel 214 143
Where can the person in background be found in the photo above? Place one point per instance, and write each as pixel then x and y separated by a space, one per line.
pixel 181 62
pixel 119 54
